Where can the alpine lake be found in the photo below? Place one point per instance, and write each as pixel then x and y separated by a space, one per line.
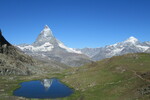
pixel 43 89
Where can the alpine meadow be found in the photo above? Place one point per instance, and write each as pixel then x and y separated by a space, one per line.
pixel 74 50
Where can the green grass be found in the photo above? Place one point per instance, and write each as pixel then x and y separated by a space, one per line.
pixel 111 79
pixel 108 79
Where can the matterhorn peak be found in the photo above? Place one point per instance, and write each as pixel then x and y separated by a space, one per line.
pixel 46 27
pixel 46 32
pixel 132 40
pixel 45 36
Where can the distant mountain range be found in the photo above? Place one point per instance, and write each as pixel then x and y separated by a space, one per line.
pixel 131 45
pixel 47 47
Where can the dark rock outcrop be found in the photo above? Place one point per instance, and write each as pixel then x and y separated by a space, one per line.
pixel 145 90
pixel 12 61
pixel 3 41
pixel 3 44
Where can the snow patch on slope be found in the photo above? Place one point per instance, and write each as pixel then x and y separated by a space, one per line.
pixel 116 51
pixel 68 49
pixel 45 47
pixel 143 48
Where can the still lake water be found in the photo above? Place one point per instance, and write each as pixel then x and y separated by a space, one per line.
pixel 46 88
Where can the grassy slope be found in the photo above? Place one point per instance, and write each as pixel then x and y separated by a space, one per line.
pixel 110 79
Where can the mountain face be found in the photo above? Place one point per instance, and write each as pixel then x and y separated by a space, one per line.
pixel 131 45
pixel 90 52
pixel 48 48
pixel 15 62
pixel 148 50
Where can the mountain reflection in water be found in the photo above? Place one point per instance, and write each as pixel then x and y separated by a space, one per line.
pixel 47 83
pixel 44 89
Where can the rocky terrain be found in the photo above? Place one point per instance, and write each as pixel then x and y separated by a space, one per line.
pixel 15 62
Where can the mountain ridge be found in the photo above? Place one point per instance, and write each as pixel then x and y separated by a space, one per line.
pixel 46 42
pixel 130 45
pixel 47 47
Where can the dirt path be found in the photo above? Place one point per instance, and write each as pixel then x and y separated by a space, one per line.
pixel 139 76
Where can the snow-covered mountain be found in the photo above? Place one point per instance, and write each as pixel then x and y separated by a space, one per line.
pixel 47 47
pixel 46 42
pixel 131 45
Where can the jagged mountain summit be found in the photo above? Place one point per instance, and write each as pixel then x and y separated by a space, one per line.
pixel 47 47
pixel 15 62
pixel 131 40
pixel 46 42
pixel 131 45
pixel 45 36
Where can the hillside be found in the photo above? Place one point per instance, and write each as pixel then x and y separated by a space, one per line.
pixel 124 77
pixel 15 62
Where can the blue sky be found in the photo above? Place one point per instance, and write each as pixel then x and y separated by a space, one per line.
pixel 77 23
